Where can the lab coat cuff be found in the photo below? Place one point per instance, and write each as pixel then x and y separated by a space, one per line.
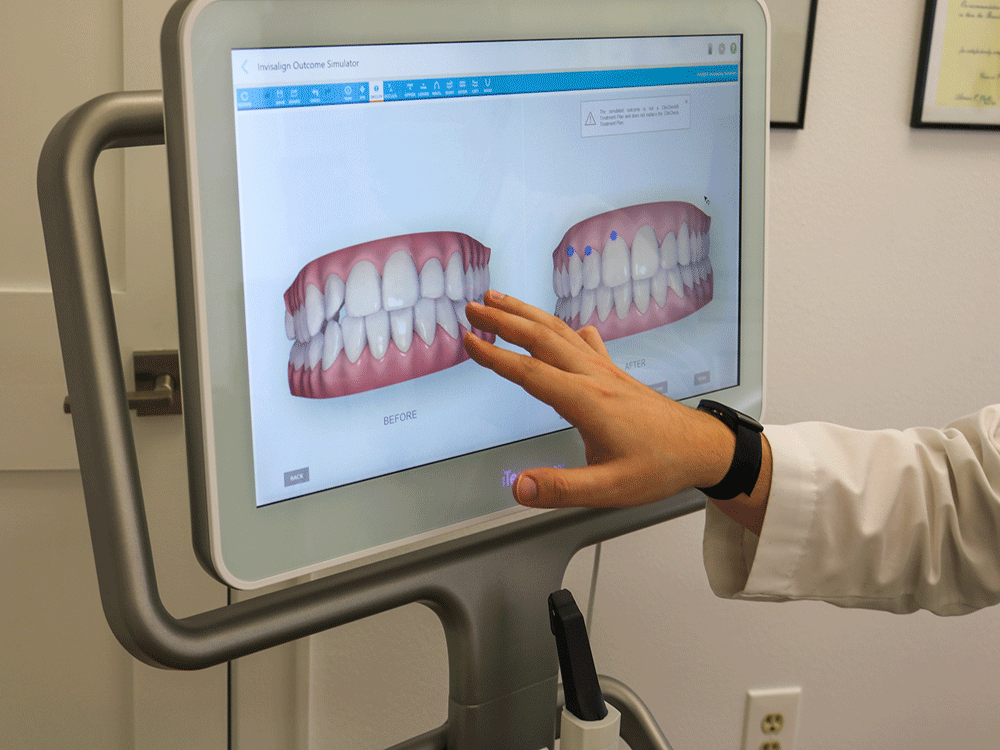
pixel 737 563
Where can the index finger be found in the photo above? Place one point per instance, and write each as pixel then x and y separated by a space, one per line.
pixel 543 336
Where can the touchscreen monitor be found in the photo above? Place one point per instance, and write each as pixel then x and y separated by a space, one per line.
pixel 345 195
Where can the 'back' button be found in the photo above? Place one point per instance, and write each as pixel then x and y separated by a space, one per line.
pixel 299 476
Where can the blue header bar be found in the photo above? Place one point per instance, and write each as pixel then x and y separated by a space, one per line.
pixel 357 92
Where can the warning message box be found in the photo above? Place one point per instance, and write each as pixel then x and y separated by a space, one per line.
pixel 623 116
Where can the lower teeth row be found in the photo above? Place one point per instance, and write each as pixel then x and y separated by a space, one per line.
pixel 620 298
pixel 375 331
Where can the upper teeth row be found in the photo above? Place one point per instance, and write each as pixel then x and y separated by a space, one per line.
pixel 399 287
pixel 617 262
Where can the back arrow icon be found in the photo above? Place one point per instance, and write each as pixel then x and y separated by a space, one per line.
pixel 245 68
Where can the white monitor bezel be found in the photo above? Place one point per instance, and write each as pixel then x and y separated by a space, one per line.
pixel 249 547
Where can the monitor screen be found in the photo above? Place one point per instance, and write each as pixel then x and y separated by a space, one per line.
pixel 347 176
pixel 383 187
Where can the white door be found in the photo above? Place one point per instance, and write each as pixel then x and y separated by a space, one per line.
pixel 64 681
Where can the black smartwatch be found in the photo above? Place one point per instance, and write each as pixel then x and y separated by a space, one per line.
pixel 745 468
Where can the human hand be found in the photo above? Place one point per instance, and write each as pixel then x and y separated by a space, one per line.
pixel 640 445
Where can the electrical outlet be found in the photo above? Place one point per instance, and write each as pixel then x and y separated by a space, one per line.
pixel 771 719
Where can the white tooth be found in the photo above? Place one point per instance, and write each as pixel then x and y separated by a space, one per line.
pixel 425 319
pixel 696 247
pixel 557 282
pixel 334 295
pixel 400 285
pixel 588 303
pixel 463 320
pixel 333 342
pixel 574 306
pixel 640 292
pixel 353 330
pixel 563 282
pixel 700 271
pixel 706 245
pixel 364 291
pixel 401 323
pixel 315 350
pixel 623 299
pixel 377 333
pixel 454 278
pixel 575 274
pixel 668 251
pixel 315 310
pixel 446 318
pixel 432 279
pixel 591 268
pixel 480 277
pixel 687 276
pixel 470 285
pixel 615 264
pixel 605 301
pixel 683 245
pixel 658 287
pixel 301 330
pixel 560 308
pixel 674 281
pixel 645 254
pixel 486 279
pixel 289 326
pixel 298 355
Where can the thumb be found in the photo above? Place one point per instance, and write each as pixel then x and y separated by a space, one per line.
pixel 588 486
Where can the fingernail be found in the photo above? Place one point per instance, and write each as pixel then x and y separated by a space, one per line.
pixel 527 490
pixel 473 304
pixel 495 294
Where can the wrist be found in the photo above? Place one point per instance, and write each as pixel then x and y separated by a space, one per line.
pixel 744 469
pixel 716 445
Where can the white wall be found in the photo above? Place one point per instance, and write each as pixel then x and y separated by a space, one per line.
pixel 884 260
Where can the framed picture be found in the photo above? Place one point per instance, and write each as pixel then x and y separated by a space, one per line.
pixel 958 75
pixel 792 25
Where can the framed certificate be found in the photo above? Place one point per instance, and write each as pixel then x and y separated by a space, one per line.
pixel 793 23
pixel 958 76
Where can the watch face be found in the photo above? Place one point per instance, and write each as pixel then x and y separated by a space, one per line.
pixel 749 422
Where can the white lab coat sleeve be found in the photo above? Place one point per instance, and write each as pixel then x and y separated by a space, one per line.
pixel 887 520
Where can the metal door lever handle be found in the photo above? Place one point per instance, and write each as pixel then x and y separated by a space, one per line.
pixel 157 380
pixel 161 395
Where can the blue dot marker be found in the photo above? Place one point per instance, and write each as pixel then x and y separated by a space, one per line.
pixel 614 236
pixel 588 250
pixel 570 251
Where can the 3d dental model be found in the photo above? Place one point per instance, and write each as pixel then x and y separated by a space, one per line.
pixel 649 263
pixel 353 313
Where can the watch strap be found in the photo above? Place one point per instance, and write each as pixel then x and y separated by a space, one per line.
pixel 747 456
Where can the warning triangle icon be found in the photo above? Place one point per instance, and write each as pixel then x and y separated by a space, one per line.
pixel 590 119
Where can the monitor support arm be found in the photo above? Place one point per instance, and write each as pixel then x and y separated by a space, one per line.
pixel 488 589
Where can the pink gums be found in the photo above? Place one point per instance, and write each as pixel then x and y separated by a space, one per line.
pixel 663 217
pixel 344 377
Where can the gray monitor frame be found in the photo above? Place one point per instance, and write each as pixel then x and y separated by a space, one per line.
pixel 245 546
pixel 488 588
